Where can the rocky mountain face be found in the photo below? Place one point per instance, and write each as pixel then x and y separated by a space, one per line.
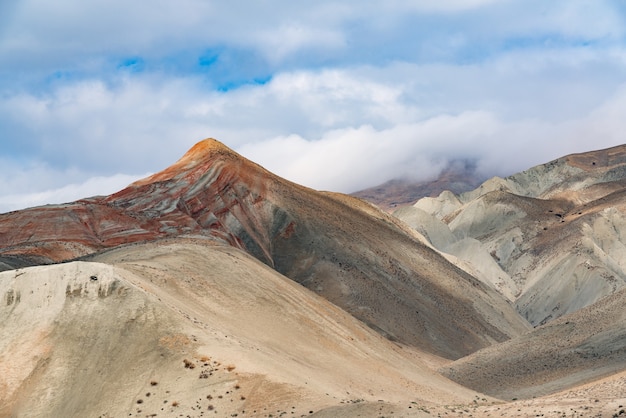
pixel 551 239
pixel 341 248
pixel 216 287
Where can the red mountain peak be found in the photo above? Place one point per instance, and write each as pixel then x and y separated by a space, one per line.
pixel 198 155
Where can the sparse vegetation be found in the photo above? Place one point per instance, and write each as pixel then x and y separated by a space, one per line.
pixel 161 348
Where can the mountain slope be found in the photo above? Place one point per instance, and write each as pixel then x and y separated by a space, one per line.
pixel 356 256
pixel 577 348
pixel 216 287
pixel 557 232
pixel 182 327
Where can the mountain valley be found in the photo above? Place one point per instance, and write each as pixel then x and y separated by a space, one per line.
pixel 216 288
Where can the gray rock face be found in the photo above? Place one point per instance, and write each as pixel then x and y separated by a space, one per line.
pixel 557 232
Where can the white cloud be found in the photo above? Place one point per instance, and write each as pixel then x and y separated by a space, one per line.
pixel 91 187
pixel 279 43
pixel 354 95
pixel 69 34
pixel 444 6
pixel 335 129
pixel 351 159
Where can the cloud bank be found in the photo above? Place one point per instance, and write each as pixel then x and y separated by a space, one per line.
pixel 328 94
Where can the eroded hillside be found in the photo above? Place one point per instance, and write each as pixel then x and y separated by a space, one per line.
pixel 216 287
pixel 552 238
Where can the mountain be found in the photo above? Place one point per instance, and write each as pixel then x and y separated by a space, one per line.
pixel 458 176
pixel 355 256
pixel 217 288
pixel 550 238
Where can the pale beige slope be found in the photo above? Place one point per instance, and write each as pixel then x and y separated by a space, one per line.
pixel 281 328
pixel 92 339
pixel 574 349
pixel 74 346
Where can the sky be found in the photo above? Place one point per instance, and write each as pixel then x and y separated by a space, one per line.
pixel 335 95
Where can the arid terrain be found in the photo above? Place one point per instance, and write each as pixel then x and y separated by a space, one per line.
pixel 215 288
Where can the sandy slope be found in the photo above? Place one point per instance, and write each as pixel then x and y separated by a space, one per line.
pixel 92 339
pixel 576 348
pixel 220 289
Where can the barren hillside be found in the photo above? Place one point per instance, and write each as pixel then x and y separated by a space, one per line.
pixel 215 288
pixel 356 256
pixel 176 327
pixel 577 348
pixel 555 234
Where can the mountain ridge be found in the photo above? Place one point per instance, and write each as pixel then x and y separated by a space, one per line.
pixel 243 293
pixel 522 219
pixel 356 256
pixel 458 176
